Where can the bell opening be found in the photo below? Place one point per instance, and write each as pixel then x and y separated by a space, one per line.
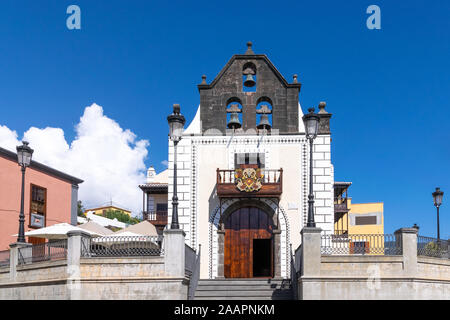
pixel 249 77
pixel 264 114
pixel 234 121
pixel 264 123
pixel 249 83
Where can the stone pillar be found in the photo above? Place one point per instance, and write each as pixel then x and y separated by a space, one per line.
pixel 221 258
pixel 74 247
pixel 311 241
pixel 174 253
pixel 14 257
pixel 277 253
pixel 408 238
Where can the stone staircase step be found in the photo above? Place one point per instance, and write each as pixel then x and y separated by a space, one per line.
pixel 244 289
pixel 239 287
pixel 240 298
pixel 227 293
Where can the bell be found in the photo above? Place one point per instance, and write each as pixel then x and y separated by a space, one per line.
pixel 249 82
pixel 234 122
pixel 264 122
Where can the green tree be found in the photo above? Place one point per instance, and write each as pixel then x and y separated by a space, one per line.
pixel 80 209
pixel 121 216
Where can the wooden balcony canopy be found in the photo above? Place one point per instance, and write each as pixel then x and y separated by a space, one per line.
pixel 236 183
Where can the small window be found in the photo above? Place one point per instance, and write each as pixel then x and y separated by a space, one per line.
pixel 365 220
pixel 161 207
pixel 249 159
pixel 38 206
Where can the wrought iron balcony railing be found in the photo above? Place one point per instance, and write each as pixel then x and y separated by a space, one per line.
pixel 265 183
pixel 341 207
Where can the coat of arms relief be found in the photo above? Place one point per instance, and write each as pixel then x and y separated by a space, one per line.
pixel 248 179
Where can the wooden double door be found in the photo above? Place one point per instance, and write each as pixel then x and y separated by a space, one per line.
pixel 248 245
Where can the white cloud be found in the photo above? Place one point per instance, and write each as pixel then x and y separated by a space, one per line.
pixel 109 159
pixel 165 163
pixel 8 138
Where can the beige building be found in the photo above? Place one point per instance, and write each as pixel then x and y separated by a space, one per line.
pixel 154 200
pixel 101 210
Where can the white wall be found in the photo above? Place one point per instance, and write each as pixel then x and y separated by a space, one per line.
pixel 198 157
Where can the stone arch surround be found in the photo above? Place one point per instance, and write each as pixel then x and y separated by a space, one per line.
pixel 281 235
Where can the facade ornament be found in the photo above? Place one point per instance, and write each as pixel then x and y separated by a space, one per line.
pixel 248 179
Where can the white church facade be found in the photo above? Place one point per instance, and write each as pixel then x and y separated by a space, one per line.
pixel 243 172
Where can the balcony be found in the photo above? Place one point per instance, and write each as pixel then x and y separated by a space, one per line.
pixel 271 183
pixel 157 218
pixel 341 207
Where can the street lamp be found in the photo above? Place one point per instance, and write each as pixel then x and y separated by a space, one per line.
pixel 176 125
pixel 24 154
pixel 437 195
pixel 311 121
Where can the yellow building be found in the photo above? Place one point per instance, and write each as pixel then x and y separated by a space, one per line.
pixel 358 226
pixel 365 218
pixel 101 210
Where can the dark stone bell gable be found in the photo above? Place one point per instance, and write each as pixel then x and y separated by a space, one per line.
pixel 228 87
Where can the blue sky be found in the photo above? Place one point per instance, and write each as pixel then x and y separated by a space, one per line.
pixel 388 89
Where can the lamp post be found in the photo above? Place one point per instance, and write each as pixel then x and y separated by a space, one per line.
pixel 24 154
pixel 437 195
pixel 311 121
pixel 176 124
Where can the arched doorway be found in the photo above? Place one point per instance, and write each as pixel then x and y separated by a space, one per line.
pixel 249 244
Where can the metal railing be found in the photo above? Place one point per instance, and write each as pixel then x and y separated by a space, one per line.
pixel 4 258
pixel 48 251
pixel 432 247
pixel 361 244
pixel 192 269
pixel 122 246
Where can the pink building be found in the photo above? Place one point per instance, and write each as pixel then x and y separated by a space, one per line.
pixel 51 197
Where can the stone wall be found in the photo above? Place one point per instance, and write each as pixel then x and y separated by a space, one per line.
pixel 373 277
pixel 127 278
pixel 114 278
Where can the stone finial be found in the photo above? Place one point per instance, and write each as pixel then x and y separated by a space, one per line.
pixel 176 108
pixel 295 78
pixel 249 48
pixel 322 106
pixel 203 79
pixel 311 110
